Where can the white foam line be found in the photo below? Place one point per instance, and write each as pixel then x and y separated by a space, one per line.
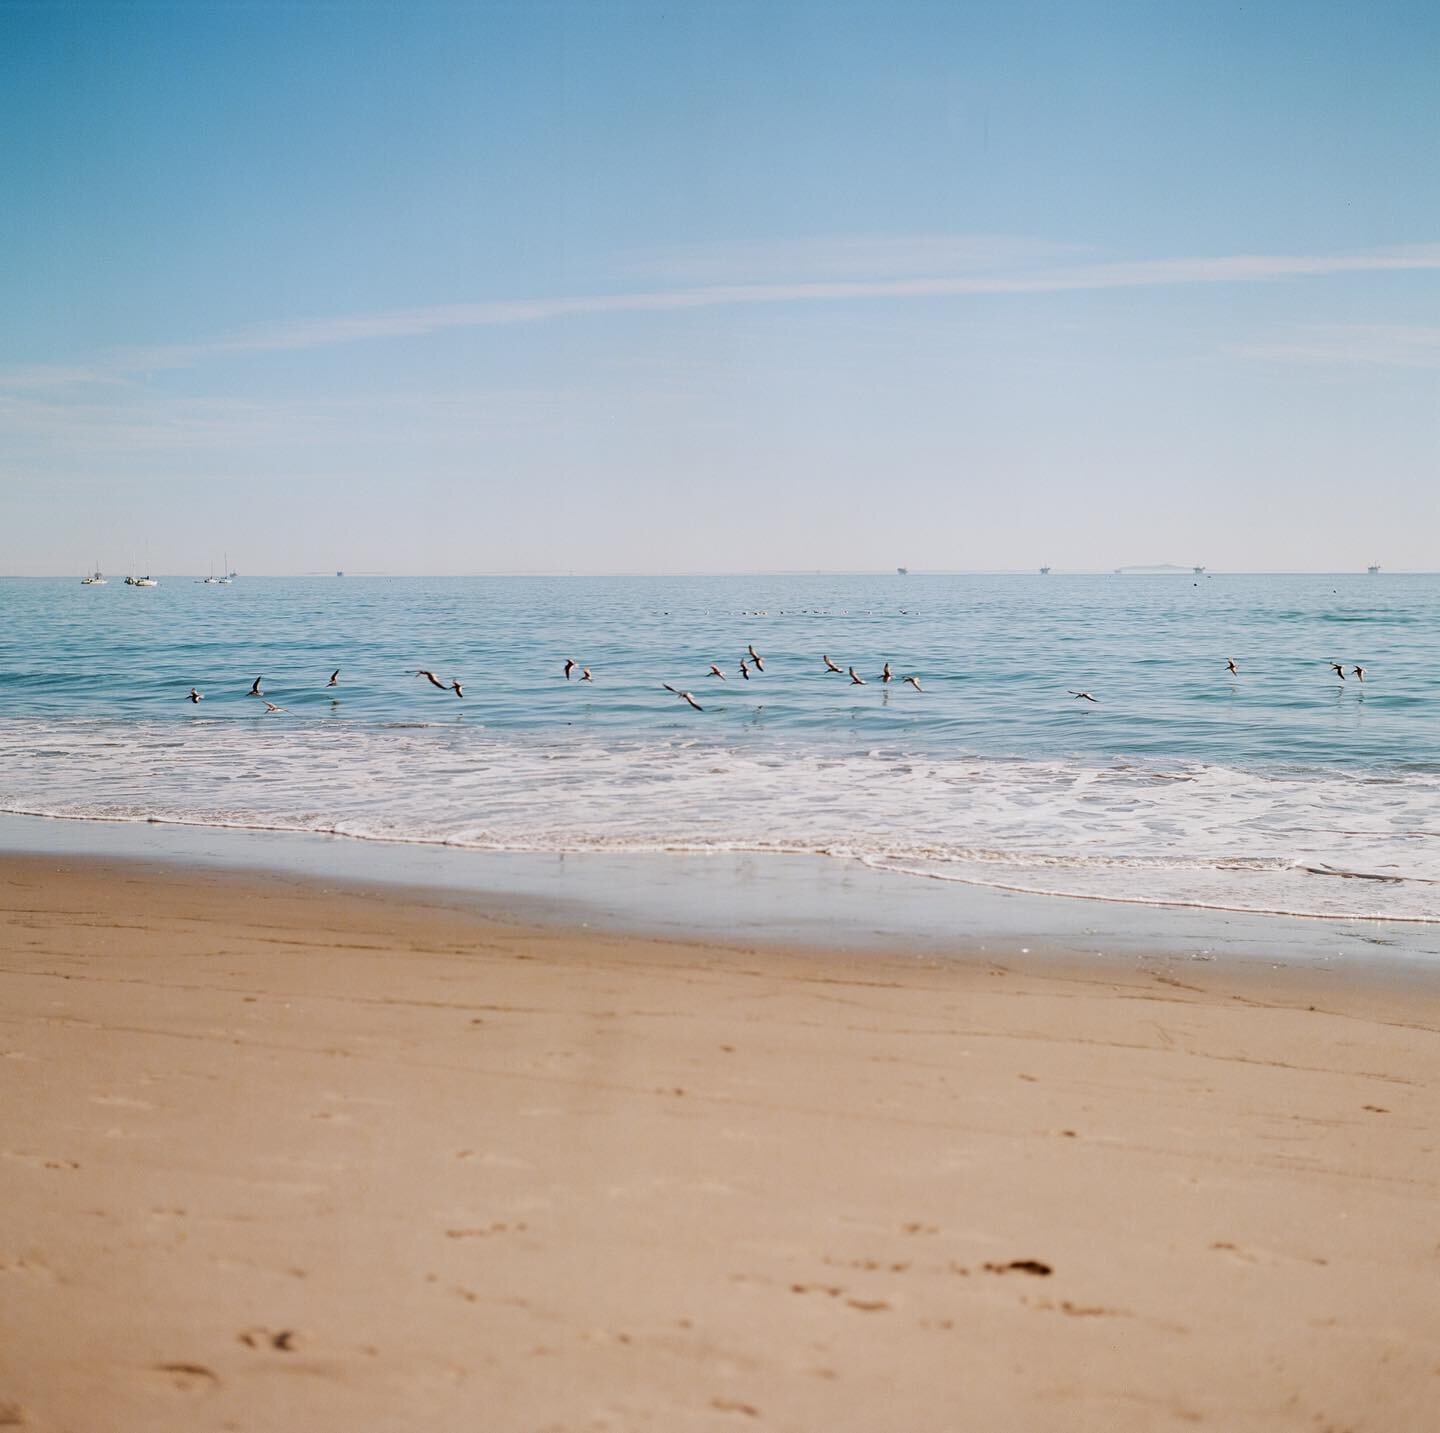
pixel 874 863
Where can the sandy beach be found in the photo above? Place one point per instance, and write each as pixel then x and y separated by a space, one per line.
pixel 281 1156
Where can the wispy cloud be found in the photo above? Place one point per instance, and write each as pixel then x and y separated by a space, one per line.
pixel 419 322
pixel 1351 345
pixel 134 422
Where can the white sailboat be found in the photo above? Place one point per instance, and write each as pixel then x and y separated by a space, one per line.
pixel 95 579
pixel 226 576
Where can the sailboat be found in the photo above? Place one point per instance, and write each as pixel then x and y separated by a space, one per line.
pixel 225 577
pixel 212 580
pixel 95 579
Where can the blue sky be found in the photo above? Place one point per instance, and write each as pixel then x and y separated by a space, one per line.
pixel 719 287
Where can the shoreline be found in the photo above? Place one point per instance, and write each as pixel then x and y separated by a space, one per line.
pixel 772 898
pixel 278 1152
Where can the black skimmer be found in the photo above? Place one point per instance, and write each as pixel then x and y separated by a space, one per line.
pixel 433 680
pixel 716 672
pixel 569 667
pixel 1359 672
pixel 914 682
pixel 856 679
pixel 196 696
pixel 1082 696
pixel 1231 667
pixel 684 696
pixel 887 675
pixel 334 678
pixel 255 689
pixel 1338 670
pixel 585 675
pixel 755 657
pixel 829 665
pixel 457 689
pixel 744 669
pixel 271 707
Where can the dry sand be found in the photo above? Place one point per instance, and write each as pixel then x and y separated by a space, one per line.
pixel 276 1157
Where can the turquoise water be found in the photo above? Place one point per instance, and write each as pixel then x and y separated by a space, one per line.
pixel 1280 789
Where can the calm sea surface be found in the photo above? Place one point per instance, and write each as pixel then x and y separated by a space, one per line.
pixel 1281 789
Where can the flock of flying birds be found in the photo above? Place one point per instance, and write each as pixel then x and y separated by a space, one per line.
pixel 752 661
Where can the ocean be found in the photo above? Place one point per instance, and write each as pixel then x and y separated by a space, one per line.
pixel 1281 789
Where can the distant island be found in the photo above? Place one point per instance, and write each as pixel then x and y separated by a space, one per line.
pixel 1157 567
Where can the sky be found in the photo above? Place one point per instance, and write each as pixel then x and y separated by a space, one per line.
pixel 719 286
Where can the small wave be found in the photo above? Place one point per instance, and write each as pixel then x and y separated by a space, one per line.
pixel 1152 833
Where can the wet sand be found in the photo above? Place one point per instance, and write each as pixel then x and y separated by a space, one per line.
pixel 277 1155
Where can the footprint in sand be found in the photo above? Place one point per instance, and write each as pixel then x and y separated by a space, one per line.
pixel 192 1378
pixel 731 1405
pixel 38 1161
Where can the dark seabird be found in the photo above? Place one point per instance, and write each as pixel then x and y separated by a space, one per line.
pixel 433 680
pixel 585 675
pixel 1338 670
pixel 829 665
pixel 1231 667
pixel 684 696
pixel 1082 696
pixel 716 672
pixel 755 657
pixel 255 690
pixel 914 682
pixel 457 689
pixel 856 678
pixel 569 667
pixel 744 669
pixel 196 696
pixel 334 678
pixel 1360 673
pixel 887 675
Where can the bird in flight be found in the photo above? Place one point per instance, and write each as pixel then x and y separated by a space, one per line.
pixel 1360 673
pixel 756 658
pixel 716 672
pixel 856 679
pixel 1082 696
pixel 271 707
pixel 744 669
pixel 569 667
pixel 1338 670
pixel 255 689
pixel 915 682
pixel 1231 667
pixel 585 675
pixel 457 689
pixel 196 696
pixel 334 678
pixel 829 665
pixel 433 680
pixel 684 696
